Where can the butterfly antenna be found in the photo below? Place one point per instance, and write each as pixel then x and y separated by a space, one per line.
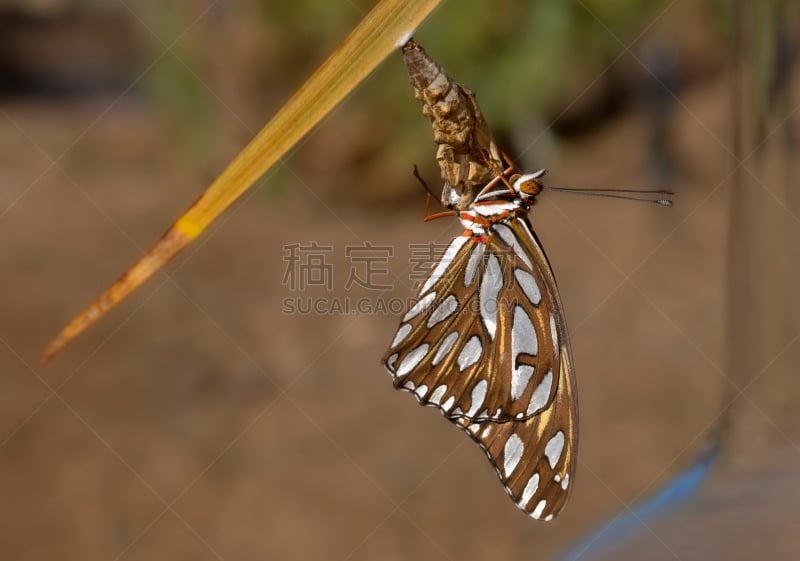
pixel 615 194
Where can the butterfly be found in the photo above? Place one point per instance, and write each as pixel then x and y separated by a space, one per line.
pixel 487 344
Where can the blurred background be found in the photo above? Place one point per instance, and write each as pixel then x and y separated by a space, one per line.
pixel 204 420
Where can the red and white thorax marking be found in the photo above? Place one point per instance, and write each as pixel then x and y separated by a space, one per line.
pixel 500 205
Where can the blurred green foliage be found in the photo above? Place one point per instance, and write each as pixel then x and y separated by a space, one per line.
pixel 523 59
pixel 176 82
pixel 519 56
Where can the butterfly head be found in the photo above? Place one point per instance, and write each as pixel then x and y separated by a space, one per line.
pixel 528 185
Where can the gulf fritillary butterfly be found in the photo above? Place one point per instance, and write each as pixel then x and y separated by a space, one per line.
pixel 487 344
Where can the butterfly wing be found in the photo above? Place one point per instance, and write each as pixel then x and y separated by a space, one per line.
pixel 482 340
pixel 535 459
pixel 535 456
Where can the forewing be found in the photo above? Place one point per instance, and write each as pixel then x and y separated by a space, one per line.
pixel 479 343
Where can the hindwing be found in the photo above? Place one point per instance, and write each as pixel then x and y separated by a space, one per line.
pixel 535 459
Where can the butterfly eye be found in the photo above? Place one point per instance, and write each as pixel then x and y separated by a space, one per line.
pixel 527 184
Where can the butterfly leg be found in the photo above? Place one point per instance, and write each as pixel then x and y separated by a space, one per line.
pixel 425 216
pixel 438 214
pixel 498 178
pixel 424 184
